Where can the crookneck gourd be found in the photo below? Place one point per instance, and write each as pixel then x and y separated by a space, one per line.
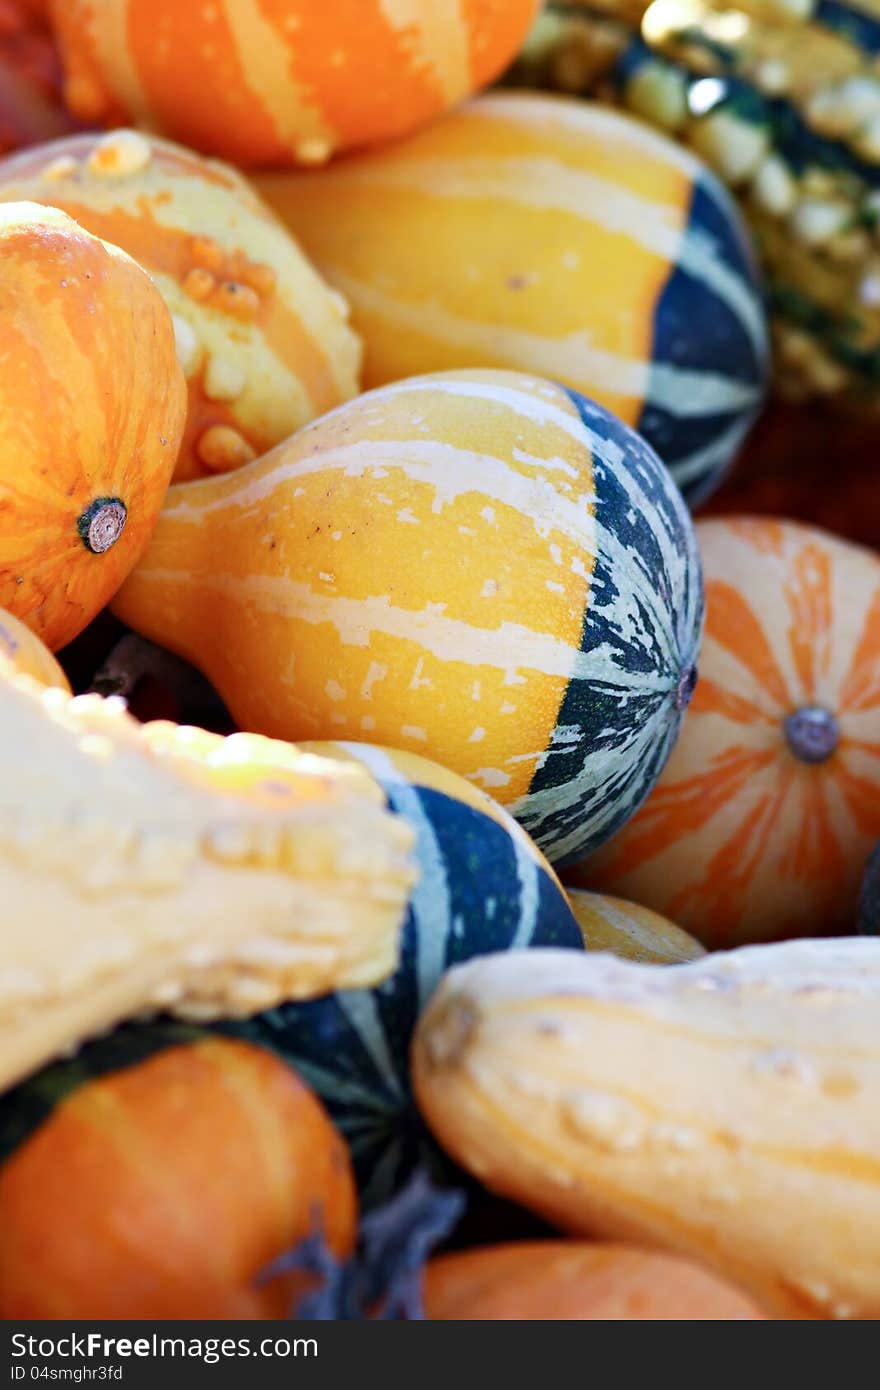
pixel 263 342
pixel 728 1109
pixel 92 407
pixel 782 97
pixel 165 868
pixel 480 567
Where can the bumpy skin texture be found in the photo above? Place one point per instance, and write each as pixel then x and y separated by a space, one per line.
pixel 284 81
pixel 574 1281
pixel 153 867
pixel 92 406
pixel 163 1190
pixel 28 654
pixel 728 1109
pixel 546 235
pixel 743 838
pixel 630 930
pixel 480 567
pixel 264 344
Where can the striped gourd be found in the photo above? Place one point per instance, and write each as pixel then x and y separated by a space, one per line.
pixel 481 567
pixel 483 886
pixel 764 817
pixel 783 98
pixel 275 82
pixel 264 344
pixel 541 234
pixel 629 930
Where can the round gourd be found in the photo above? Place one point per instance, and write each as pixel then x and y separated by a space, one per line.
pixel 576 1281
pixel 480 567
pixel 869 901
pixel 264 344
pixel 550 236
pixel 284 81
pixel 157 1174
pixel 28 654
pixel 31 106
pixel 762 822
pixel 631 931
pixel 482 886
pixel 92 404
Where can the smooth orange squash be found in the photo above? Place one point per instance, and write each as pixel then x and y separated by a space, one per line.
pixel 283 81
pixel 571 1281
pixel 92 404
pixel 28 654
pixel 164 1189
pixel 263 342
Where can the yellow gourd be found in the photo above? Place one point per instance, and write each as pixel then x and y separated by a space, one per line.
pixel 28 654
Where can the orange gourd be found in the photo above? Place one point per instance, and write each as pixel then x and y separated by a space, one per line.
pixel 263 342
pixel 28 654
pixel 164 1189
pixel 761 823
pixel 284 81
pixel 574 1281
pixel 92 404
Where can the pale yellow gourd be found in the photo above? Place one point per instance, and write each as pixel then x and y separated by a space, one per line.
pixel 157 867
pixel 728 1109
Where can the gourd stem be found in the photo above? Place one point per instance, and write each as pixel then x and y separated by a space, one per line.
pixel 102 523
pixel 812 733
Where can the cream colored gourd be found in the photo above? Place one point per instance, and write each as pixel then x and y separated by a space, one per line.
pixel 728 1109
pixel 158 867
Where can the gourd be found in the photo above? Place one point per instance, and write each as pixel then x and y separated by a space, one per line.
pixel 568 1280
pixel 92 407
pixel 264 344
pixel 155 867
pixel 727 1109
pixel 869 901
pixel 31 107
pixel 545 235
pixel 763 820
pixel 783 99
pixel 629 930
pixel 282 83
pixel 483 886
pixel 158 1174
pixel 28 654
pixel 480 567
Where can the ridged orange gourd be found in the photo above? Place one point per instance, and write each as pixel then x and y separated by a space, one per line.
pixel 545 234
pixel 282 82
pixel 28 654
pixel 480 567
pixel 159 1173
pixel 762 822
pixel 577 1281
pixel 92 407
pixel 264 344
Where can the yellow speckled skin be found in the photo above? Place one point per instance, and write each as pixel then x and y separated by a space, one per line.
pixel 265 345
pixel 637 933
pixel 28 654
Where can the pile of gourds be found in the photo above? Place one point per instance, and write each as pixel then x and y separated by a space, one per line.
pixel 481 827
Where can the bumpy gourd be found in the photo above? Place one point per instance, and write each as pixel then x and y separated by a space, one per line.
pixel 569 1280
pixel 629 930
pixel 783 99
pixel 764 817
pixel 480 567
pixel 483 886
pixel 549 236
pixel 284 82
pixel 727 1109
pixel 264 344
pixel 158 1174
pixel 28 654
pixel 158 867
pixel 92 404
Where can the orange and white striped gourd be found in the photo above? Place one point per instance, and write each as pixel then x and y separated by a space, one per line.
pixel 543 234
pixel 92 408
pixel 279 82
pixel 480 567
pixel 762 822
pixel 28 654
pixel 265 345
